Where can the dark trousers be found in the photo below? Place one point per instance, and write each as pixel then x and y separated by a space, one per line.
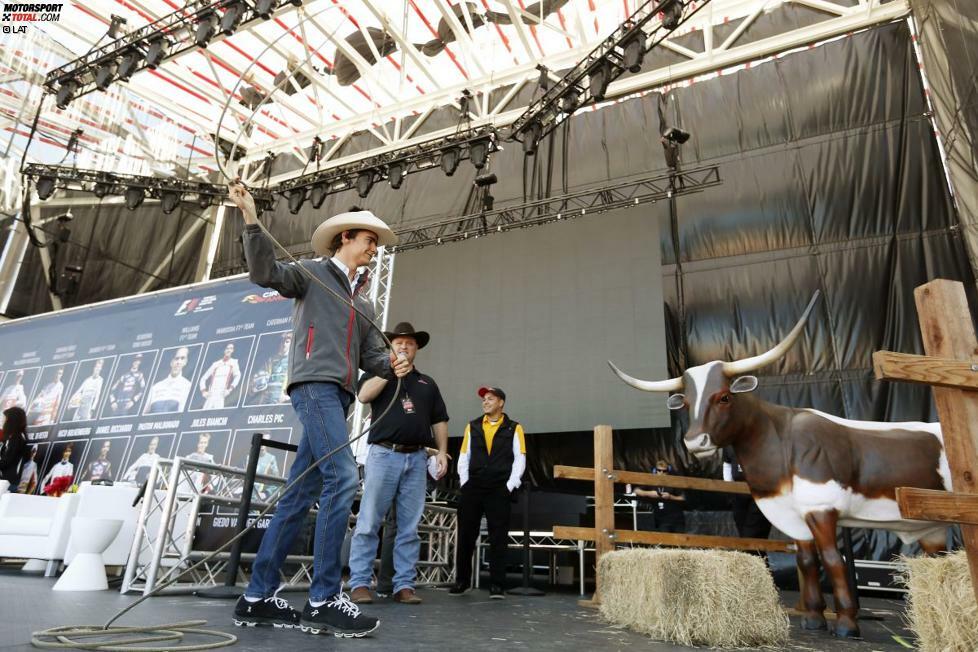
pixel 495 504
pixel 385 577
pixel 748 518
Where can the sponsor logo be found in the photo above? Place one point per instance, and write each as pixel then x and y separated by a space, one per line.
pixel 197 304
pixel 30 12
pixel 265 297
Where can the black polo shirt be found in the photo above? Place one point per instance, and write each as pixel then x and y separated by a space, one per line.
pixel 418 406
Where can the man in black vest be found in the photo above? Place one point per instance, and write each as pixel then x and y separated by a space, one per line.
pixel 490 465
pixel 750 522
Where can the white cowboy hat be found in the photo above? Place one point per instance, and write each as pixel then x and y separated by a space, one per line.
pixel 326 231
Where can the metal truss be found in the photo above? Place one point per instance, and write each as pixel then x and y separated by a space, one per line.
pixel 394 166
pixel 586 202
pixel 112 183
pixel 162 548
pixel 174 33
pixel 610 59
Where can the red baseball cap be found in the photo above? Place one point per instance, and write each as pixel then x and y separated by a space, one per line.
pixel 492 390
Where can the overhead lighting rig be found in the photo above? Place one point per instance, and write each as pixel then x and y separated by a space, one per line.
pixel 195 25
pixel 624 50
pixel 133 188
pixel 446 152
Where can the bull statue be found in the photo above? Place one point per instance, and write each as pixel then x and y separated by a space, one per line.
pixel 807 470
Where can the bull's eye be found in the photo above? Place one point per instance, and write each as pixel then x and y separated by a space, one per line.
pixel 725 398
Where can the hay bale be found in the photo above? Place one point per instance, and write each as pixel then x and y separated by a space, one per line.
pixel 716 598
pixel 941 609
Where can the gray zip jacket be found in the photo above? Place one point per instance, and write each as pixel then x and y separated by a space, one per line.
pixel 329 340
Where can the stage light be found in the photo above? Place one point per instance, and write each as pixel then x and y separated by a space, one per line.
pixel 297 197
pixel 105 74
pixel 634 52
pixel 169 200
pixel 134 197
pixel 599 78
pixel 570 100
pixel 484 180
pixel 206 29
pixel 115 27
pixel 318 194
pixel 365 181
pixel 232 16
pixel 479 153
pixel 157 51
pixel 128 65
pixel 672 13
pixel 265 8
pixel 395 174
pixel 449 160
pixel 66 93
pixel 45 187
pixel 101 189
pixel 531 136
pixel 676 135
pixel 204 200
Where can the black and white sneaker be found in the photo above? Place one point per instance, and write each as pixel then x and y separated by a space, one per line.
pixel 460 588
pixel 274 611
pixel 340 616
pixel 496 592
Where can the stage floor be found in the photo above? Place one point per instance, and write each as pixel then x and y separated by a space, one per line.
pixel 469 623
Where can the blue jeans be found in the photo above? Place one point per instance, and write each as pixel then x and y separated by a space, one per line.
pixel 321 407
pixel 397 478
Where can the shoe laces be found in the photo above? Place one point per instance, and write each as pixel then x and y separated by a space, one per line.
pixel 281 603
pixel 342 602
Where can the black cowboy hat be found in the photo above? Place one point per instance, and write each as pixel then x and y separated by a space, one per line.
pixel 405 329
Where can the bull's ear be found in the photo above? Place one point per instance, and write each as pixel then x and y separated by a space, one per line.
pixel 676 401
pixel 743 384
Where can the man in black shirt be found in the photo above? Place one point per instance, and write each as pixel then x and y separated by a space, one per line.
pixel 396 468
pixel 666 503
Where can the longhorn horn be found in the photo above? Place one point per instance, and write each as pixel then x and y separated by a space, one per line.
pixel 670 385
pixel 756 362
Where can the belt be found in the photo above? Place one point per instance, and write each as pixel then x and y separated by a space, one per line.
pixel 400 448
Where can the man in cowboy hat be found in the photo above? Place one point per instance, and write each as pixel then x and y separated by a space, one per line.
pixel 396 467
pixel 330 340
pixel 490 464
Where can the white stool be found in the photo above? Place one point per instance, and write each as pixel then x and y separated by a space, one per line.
pixel 90 537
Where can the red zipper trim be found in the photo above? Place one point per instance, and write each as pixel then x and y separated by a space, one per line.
pixel 310 336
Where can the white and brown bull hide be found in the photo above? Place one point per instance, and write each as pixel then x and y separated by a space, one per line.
pixel 810 471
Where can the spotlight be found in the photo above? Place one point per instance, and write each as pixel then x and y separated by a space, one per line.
pixel 449 160
pixel 365 181
pixel 634 52
pixel 66 93
pixel 265 8
pixel 600 77
pixel 570 100
pixel 206 29
pixel 157 51
pixel 105 74
pixel 672 13
pixel 479 153
pixel 463 102
pixel 297 197
pixel 484 180
pixel 134 197
pixel 45 187
pixel 169 199
pixel 101 189
pixel 531 136
pixel 676 135
pixel 128 64
pixel 395 174
pixel 232 16
pixel 204 200
pixel 318 194
pixel 544 80
pixel 115 27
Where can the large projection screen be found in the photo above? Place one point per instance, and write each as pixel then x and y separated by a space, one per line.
pixel 538 312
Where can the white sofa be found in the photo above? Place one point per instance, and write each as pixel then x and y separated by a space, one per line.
pixel 36 527
pixel 100 501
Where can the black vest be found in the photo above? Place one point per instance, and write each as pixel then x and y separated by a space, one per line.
pixel 489 469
